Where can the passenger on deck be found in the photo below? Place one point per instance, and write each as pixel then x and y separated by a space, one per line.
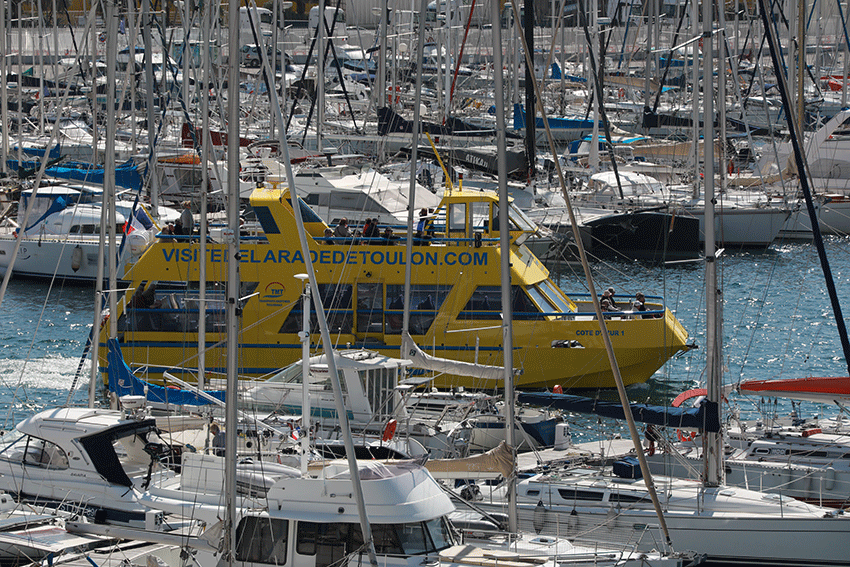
pixel 610 292
pixel 342 230
pixel 388 236
pixel 370 229
pixel 639 303
pixel 328 235
pixel 217 440
pixel 187 222
pixel 420 226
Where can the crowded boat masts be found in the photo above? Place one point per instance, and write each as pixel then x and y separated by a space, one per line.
pixel 352 281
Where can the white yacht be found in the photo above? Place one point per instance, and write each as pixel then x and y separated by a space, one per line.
pixel 61 237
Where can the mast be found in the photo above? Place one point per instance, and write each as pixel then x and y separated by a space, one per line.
pixel 505 247
pixel 232 238
pixel 530 108
pixel 4 93
pixel 414 152
pixel 149 90
pixel 713 448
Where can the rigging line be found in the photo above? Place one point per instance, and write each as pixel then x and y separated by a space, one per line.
pixel 804 175
pixel 307 64
pixel 669 62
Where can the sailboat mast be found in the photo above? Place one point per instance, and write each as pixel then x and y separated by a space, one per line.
pixel 505 251
pixel 530 108
pixel 232 238
pixel 713 454
pixel 414 158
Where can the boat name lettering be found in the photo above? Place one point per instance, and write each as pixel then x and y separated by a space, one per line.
pixel 597 332
pixel 357 257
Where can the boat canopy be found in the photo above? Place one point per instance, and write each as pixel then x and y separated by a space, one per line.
pixel 705 417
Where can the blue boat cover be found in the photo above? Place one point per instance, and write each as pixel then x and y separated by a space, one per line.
pixel 123 382
pixel 706 417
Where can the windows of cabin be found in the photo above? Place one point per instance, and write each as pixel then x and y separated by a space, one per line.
pixel 486 303
pixel 331 542
pixel 262 540
pixel 425 302
pixel 336 300
pixel 573 494
pixel 370 308
pixel 556 297
pixel 33 451
pixel 481 216
pixel 174 307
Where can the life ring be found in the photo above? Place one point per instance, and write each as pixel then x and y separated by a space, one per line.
pixel 389 430
pixel 622 92
pixel 687 395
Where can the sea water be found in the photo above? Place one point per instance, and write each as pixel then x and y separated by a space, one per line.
pixel 778 323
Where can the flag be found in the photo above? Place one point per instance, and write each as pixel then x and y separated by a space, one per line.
pixel 138 221
pixel 121 29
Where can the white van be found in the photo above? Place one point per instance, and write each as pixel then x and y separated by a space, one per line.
pixel 330 12
pixel 264 25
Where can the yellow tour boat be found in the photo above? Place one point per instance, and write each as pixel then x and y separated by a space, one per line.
pixel 455 301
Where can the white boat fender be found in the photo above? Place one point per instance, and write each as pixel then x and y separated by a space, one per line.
pixel 829 475
pixel 76 258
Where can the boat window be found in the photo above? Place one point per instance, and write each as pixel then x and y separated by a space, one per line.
pixel 457 217
pixel 262 540
pixel 486 303
pixel 809 453
pixel 425 301
pixel 540 299
pixel 289 375
pixel 571 494
pixel 557 297
pixel 481 216
pixel 330 542
pixel 158 307
pixel 441 535
pixel 370 308
pixel 627 498
pixel 336 299
pixel 517 220
pixel 38 452
pixel 87 229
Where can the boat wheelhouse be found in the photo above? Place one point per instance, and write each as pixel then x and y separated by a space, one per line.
pixel 455 300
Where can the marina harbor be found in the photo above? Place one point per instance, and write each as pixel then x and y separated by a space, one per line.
pixel 462 283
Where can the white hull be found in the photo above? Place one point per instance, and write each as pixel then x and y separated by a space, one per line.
pixel 728 524
pixel 49 257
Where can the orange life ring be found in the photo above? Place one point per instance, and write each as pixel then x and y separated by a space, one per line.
pixel 687 395
pixel 389 430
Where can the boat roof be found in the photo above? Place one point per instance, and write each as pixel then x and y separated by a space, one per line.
pixel 394 493
pixel 73 423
